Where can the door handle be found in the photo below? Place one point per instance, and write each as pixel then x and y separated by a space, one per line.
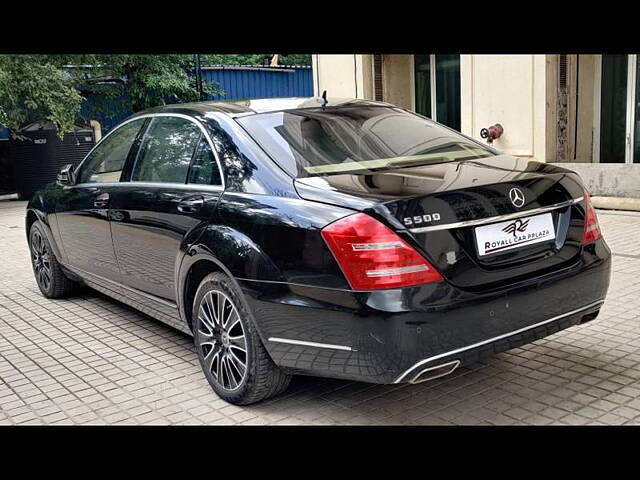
pixel 101 200
pixel 190 204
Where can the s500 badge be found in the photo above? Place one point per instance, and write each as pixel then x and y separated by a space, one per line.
pixel 417 220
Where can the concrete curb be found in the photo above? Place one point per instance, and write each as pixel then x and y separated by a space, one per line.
pixel 617 203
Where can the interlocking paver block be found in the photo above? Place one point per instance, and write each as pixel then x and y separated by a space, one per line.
pixel 91 360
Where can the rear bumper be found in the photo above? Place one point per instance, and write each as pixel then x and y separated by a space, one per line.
pixel 391 336
pixel 506 341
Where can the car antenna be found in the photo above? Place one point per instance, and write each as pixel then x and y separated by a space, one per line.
pixel 323 100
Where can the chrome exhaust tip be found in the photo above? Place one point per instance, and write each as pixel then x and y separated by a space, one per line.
pixel 438 371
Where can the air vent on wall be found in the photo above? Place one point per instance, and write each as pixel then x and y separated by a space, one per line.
pixel 377 78
pixel 562 69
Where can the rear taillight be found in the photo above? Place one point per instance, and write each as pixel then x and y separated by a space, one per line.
pixel 373 257
pixel 591 226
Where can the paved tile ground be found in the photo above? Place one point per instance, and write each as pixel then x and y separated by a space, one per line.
pixel 92 360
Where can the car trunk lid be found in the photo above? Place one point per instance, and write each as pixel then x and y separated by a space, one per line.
pixel 529 212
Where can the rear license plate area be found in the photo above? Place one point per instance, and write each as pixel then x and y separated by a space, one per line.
pixel 513 234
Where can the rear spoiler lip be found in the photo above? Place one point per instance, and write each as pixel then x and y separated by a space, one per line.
pixel 497 218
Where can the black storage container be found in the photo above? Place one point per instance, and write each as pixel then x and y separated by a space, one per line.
pixel 38 159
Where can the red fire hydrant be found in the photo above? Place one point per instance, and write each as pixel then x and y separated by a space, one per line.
pixel 491 133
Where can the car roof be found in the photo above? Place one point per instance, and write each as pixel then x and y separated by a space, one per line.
pixel 237 108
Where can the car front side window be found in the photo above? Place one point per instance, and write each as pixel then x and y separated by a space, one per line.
pixel 107 160
pixel 166 151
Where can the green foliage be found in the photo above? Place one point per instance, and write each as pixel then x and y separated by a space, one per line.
pixel 48 87
pixel 214 59
pixel 151 80
pixel 301 60
pixel 33 89
pixel 53 87
pixel 255 59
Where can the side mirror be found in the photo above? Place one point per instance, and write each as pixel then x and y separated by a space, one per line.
pixel 65 177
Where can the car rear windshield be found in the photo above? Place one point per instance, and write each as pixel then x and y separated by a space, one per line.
pixel 356 139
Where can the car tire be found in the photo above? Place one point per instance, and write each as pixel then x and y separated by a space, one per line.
pixel 232 356
pixel 51 280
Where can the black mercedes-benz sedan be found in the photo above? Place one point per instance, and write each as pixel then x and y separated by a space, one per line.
pixel 350 239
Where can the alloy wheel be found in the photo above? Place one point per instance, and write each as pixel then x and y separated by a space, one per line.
pixel 41 260
pixel 222 340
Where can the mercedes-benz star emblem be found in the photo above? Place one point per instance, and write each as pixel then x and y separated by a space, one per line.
pixel 517 197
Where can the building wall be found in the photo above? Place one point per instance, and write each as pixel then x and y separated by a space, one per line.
pixel 521 92
pixel 398 80
pixel 510 90
pixel 342 75
pixel 365 79
pixel 582 106
pixel 352 76
pixel 608 179
pixel 551 108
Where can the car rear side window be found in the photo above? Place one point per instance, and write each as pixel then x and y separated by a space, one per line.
pixel 107 160
pixel 204 169
pixel 166 151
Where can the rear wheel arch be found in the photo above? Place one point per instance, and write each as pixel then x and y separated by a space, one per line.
pixel 194 275
pixel 208 256
pixel 30 220
pixel 194 269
